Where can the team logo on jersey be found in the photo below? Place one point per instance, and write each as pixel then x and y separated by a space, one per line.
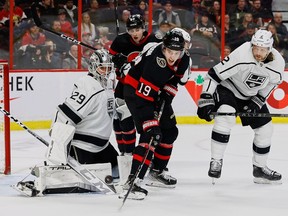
pixel 161 62
pixel 110 107
pixel 132 56
pixel 254 81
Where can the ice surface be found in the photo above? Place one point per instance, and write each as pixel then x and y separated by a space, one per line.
pixel 233 194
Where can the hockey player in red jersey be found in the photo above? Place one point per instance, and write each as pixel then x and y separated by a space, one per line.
pixel 150 74
pixel 241 83
pixel 124 49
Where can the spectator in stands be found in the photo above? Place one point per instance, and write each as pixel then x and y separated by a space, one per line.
pixel 122 22
pixel 18 14
pixel 66 26
pixel 207 29
pixel 86 38
pixel 230 30
pixel 62 45
pixel 227 50
pixel 104 37
pixel 261 16
pixel 155 25
pixel 169 15
pixel 247 18
pixel 50 59
pixel 47 11
pixel 72 14
pixel 280 27
pixel 279 41
pixel 193 16
pixel 245 36
pixel 215 13
pixel 88 26
pixel 140 8
pixel 71 60
pixel 164 27
pixel 94 12
pixel 33 36
pixel 237 12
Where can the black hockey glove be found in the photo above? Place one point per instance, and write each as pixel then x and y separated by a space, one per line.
pixel 206 104
pixel 119 60
pixel 255 104
pixel 151 127
pixel 168 93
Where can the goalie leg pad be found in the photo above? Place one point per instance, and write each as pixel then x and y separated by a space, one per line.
pixel 124 166
pixel 61 136
pixel 62 179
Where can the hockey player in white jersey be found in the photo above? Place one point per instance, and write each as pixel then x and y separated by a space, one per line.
pixel 241 83
pixel 81 129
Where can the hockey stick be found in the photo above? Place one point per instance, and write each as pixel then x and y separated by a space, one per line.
pixel 144 159
pixel 40 25
pixel 250 115
pixel 86 175
pixel 116 16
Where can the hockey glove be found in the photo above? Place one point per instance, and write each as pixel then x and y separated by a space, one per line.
pixel 205 106
pixel 168 93
pixel 119 60
pixel 255 104
pixel 151 127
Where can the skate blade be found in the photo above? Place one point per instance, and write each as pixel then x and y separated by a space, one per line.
pixel 266 181
pixel 133 196
pixel 159 185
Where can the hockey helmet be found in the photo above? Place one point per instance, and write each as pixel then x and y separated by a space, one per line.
pixel 174 40
pixel 101 66
pixel 186 36
pixel 263 38
pixel 135 21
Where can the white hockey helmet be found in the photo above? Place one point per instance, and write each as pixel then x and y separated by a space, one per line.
pixel 186 36
pixel 263 38
pixel 101 66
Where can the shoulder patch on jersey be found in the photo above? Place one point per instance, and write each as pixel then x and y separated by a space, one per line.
pixel 158 36
pixel 161 62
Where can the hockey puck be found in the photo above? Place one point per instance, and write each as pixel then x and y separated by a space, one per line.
pixel 108 179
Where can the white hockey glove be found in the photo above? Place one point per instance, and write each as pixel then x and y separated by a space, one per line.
pixel 122 109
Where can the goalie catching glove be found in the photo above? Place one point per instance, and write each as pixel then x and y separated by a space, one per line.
pixel 255 104
pixel 152 129
pixel 206 104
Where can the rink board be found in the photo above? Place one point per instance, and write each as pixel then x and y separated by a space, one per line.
pixel 35 95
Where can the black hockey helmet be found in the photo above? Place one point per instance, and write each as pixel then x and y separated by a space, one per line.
pixel 135 21
pixel 174 40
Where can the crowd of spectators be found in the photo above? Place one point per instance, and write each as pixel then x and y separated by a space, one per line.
pixel 36 48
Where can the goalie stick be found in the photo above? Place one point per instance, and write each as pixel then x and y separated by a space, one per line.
pixel 87 176
pixel 38 23
pixel 250 115
pixel 143 161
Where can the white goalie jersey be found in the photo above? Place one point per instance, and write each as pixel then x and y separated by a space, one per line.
pixel 244 76
pixel 90 110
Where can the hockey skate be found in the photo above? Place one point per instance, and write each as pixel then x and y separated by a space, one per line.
pixel 156 178
pixel 264 175
pixel 215 169
pixel 136 193
pixel 27 188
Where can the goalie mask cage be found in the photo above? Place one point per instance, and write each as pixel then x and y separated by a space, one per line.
pixel 5 154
